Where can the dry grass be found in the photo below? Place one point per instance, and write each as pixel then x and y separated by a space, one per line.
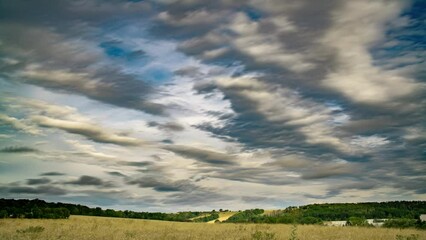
pixel 79 227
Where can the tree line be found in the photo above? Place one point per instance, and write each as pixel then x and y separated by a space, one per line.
pixel 25 208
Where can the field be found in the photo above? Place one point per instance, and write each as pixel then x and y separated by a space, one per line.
pixel 81 227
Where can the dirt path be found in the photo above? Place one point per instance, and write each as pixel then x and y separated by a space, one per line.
pixel 223 216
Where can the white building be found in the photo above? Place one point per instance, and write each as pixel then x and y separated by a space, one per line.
pixel 335 223
pixel 376 222
pixel 423 217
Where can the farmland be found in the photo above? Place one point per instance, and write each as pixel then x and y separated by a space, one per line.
pixel 85 227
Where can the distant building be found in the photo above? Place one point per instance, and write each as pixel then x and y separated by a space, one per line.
pixel 376 222
pixel 336 223
pixel 423 217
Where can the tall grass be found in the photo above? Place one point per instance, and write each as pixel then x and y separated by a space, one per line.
pixel 97 228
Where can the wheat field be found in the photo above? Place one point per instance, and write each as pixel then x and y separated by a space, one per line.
pixel 83 227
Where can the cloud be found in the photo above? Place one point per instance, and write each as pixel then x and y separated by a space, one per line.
pixel 89 181
pixel 117 174
pixel 355 75
pixel 37 181
pixel 52 174
pixel 19 124
pixel 332 169
pixel 202 155
pixel 89 150
pixel 285 108
pixel 299 100
pixel 161 185
pixel 43 114
pixel 46 189
pixel 92 132
pixel 198 17
pixel 75 66
pixel 136 164
pixel 169 126
pixel 17 149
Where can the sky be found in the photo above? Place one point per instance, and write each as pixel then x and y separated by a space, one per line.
pixel 174 105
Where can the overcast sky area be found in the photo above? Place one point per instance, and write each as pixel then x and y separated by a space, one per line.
pixel 172 105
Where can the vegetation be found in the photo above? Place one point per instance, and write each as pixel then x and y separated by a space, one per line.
pixel 405 213
pixel 403 223
pixel 104 228
pixel 32 209
pixel 24 208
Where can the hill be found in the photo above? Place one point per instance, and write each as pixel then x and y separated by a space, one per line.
pixel 406 213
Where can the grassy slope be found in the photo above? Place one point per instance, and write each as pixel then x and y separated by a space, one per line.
pixel 97 228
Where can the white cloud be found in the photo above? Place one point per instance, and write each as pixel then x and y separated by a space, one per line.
pixel 357 26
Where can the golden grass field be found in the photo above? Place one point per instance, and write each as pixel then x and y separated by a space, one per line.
pixel 82 227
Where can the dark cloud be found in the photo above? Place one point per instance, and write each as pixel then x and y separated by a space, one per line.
pixel 89 181
pixel 48 190
pixel 17 149
pixel 37 181
pixel 169 126
pixel 52 174
pixel 117 174
pixel 329 170
pixel 163 185
pixel 203 155
pixel 329 194
pixel 136 164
